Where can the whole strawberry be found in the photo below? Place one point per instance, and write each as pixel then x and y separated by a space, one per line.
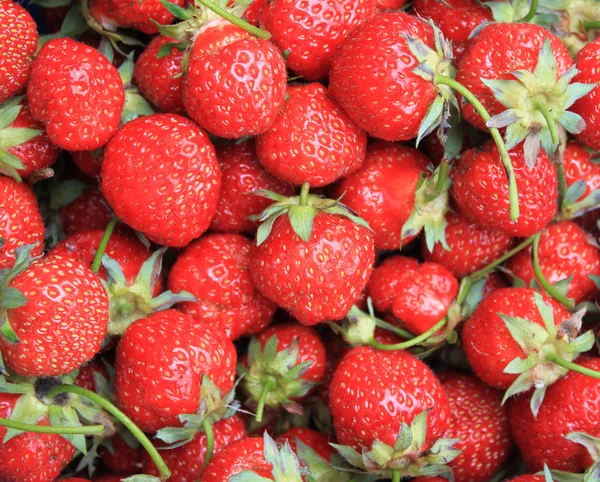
pixel 588 107
pixel 216 270
pixel 312 140
pixel 312 32
pixel 87 212
pixel 77 93
pixel 161 177
pixel 313 257
pixel 143 15
pixel 18 44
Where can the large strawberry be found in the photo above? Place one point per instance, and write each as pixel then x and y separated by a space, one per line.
pixel 161 176
pixel 77 93
pixel 310 33
pixel 313 257
pixel 313 140
pixel 588 107
pixel 216 271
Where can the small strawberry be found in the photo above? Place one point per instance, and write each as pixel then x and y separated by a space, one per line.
pixel 87 212
pixel 88 162
pixel 77 93
pixel 312 140
pixel 242 174
pixel 18 44
pixel 582 176
pixel 588 107
pixel 310 33
pixel 161 176
pixel 142 15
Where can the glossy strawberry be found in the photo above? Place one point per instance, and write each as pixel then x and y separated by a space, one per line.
pixel 312 31
pixel 312 140
pixel 143 15
pixel 389 4
pixel 167 353
pixel 77 93
pixel 88 162
pixel 165 186
pixel 579 166
pixel 588 107
pixel 241 455
pixel 86 213
pixel 529 478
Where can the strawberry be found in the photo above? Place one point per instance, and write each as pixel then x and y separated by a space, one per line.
pixel 588 107
pixel 241 175
pixel 30 457
pixel 569 406
pixel 313 257
pixel 312 140
pixel 77 93
pixel 480 422
pixel 143 15
pixel 138 173
pixel 159 77
pixel 311 33
pixel 579 166
pixel 123 458
pixel 146 355
pixel 241 455
pixel 87 212
pixel 55 315
pixel 315 440
pixel 216 270
pixel 565 254
pixel 481 191
pixel 88 162
pixel 382 190
pixel 471 246
pixel 389 4
pixel 20 221
pixel 418 296
pixel 529 478
pixel 111 478
pixel 18 44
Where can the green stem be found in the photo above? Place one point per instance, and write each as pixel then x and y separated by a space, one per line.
pixel 554 358
pixel 210 442
pixel 482 273
pixel 591 24
pixel 103 243
pixel 415 341
pixel 531 13
pixel 235 20
pixel 304 194
pixel 553 129
pixel 551 290
pixel 164 471
pixel 26 427
pixel 442 176
pixel 513 194
pixel 394 329
pixel 270 384
pixel 396 475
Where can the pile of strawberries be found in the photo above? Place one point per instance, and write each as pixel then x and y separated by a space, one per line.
pixel 300 241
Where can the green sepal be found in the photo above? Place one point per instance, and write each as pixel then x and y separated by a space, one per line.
pixel 357 328
pixel 74 23
pixel 135 106
pixel 302 220
pixel 9 111
pixel 14 136
pixel 574 204
pixel 67 417
pixel 167 48
pixel 10 165
pixel 592 473
pixel 126 69
pixel 142 478
pixel 322 471
pixel 88 461
pixel 51 3
pixel 177 11
pixel 27 409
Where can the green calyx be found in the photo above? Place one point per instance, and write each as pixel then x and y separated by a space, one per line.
pixel 520 11
pixel 407 458
pixel 537 106
pixel 575 203
pixel 131 302
pixel 301 211
pixel 576 22
pixel 542 345
pixel 135 105
pixel 592 474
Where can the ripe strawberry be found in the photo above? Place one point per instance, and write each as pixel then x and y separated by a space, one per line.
pixel 241 455
pixel 382 190
pixel 312 32
pixel 480 422
pixel 312 140
pixel 86 378
pixel 317 441
pixel 77 93
pixel 18 44
pixel 88 212
pixel 161 176
pixel 569 406
pixel 58 320
pixel 242 174
pixel 417 295
pixel 529 478
pixel 216 270
pixel 160 78
pixel 160 363
pixel 88 162
pixel 580 167
pixel 143 15
pixel 481 190
pixel 389 4
pixel 313 257
pixel 471 246
pixel 20 221
pixel 564 252
pixel 588 107
pixel 31 457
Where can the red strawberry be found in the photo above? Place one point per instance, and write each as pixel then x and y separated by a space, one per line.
pixel 161 176
pixel 88 162
pixel 111 478
pixel 243 174
pixel 529 478
pixel 588 107
pixel 77 93
pixel 312 140
pixel 123 458
pixel 418 296
pixel 241 455
pixel 86 213
pixel 141 15
pixel 579 166
pixel 31 457
pixel 160 79
pixel 494 282
pixel 315 440
pixel 160 363
pixel 60 319
pixel 389 4
pixel 86 378
pixel 471 247
pixel 18 44
pixel 20 221
pixel 382 190
pixel 312 32
pixel 480 189
pixel 253 12
pixel 216 270
pixel 564 251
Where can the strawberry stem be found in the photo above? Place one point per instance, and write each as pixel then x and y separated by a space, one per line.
pixel 103 243
pixel 304 194
pixel 164 471
pixel 554 358
pixel 531 13
pixel 415 341
pixel 513 195
pixel 394 329
pixel 270 384
pixel 396 475
pixel 210 442
pixel 235 20
pixel 482 273
pixel 26 427
pixel 591 24
pixel 551 290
